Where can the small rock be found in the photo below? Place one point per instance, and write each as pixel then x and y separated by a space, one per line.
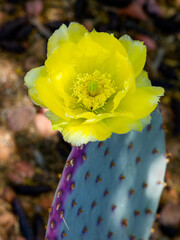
pixel 169 194
pixel 170 215
pixel 154 8
pixel 25 169
pixel 141 2
pixel 173 146
pixel 43 110
pixel 34 8
pixel 168 115
pixel 7 72
pixel 39 158
pixel 9 194
pixel 7 146
pixel 20 172
pixel 37 49
pixel 20 238
pixel 20 117
pixel 134 10
pixel 148 41
pixel 54 14
pixel 46 202
pixel 15 179
pixel 31 62
pixel 88 23
pixel 43 125
pixel 7 220
pixel 1 17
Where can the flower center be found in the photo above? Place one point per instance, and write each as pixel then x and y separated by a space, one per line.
pixel 92 90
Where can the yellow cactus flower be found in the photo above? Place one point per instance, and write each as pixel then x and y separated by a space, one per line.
pixel 93 85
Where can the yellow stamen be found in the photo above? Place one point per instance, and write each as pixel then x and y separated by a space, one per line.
pixel 92 90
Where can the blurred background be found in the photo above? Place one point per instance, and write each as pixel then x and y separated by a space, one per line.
pixel 31 155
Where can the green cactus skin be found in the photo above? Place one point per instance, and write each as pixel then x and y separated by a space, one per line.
pixel 111 189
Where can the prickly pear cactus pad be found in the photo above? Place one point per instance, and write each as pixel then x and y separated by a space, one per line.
pixel 111 189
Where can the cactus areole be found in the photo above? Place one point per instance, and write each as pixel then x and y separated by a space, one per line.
pixel 102 101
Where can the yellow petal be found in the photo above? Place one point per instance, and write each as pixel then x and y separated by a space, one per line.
pixel 61 57
pixel 77 132
pixel 129 85
pixel 142 103
pixel 124 78
pixel 66 62
pixel 108 41
pixel 50 98
pixel 30 81
pixel 61 70
pixel 123 125
pixel 86 57
pixel 98 52
pixel 102 116
pixel 85 115
pixel 142 80
pixel 73 33
pixel 136 53
pixel 91 55
pixel 57 122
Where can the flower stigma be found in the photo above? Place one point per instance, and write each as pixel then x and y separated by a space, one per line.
pixel 92 90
